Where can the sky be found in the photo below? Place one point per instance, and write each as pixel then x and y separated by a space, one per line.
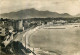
pixel 61 6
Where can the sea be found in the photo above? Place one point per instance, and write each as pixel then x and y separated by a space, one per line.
pixel 56 40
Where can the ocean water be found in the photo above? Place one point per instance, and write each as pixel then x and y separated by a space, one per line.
pixel 59 41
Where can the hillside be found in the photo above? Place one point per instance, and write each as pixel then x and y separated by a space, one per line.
pixel 32 13
pixel 78 15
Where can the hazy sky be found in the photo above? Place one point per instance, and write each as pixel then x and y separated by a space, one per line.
pixel 61 6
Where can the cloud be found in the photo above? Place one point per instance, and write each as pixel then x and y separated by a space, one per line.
pixel 60 6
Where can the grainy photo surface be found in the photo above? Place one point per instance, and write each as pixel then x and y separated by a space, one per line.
pixel 39 27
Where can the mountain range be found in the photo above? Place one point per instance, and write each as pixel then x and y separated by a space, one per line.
pixel 32 13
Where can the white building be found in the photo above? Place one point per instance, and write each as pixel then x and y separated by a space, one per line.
pixel 61 21
pixel 49 23
pixel 2 31
pixel 19 25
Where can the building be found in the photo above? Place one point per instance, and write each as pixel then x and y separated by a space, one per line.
pixel 19 25
pixel 2 31
pixel 61 22
pixel 50 23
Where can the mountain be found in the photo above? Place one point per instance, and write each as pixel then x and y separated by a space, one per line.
pixel 78 15
pixel 32 13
